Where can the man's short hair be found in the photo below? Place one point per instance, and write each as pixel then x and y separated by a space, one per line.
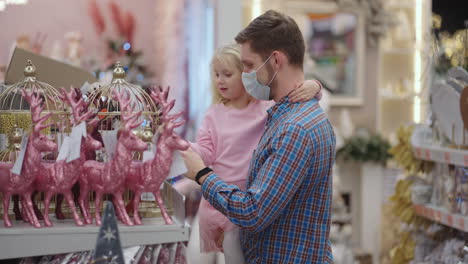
pixel 274 31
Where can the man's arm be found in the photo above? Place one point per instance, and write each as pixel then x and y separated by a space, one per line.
pixel 273 187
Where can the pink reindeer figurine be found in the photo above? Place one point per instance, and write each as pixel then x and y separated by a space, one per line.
pixel 80 114
pixel 149 175
pixel 23 184
pixel 109 177
pixel 60 176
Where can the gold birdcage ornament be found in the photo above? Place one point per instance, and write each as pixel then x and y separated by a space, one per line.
pixel 15 115
pixel 108 109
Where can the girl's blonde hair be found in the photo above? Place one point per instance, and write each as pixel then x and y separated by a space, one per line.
pixel 228 55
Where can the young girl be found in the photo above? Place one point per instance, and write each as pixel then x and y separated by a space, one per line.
pixel 227 137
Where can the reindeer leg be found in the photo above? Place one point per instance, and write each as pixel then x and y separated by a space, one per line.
pixel 126 219
pixel 71 203
pixel 84 203
pixel 47 198
pixel 16 208
pixel 37 212
pixel 24 211
pixel 136 203
pixel 118 212
pixel 76 195
pixel 58 207
pixel 6 204
pixel 30 210
pixel 159 200
pixel 97 210
pixel 129 207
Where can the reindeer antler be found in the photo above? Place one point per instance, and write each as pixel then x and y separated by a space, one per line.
pixel 127 115
pixel 36 104
pixel 78 105
pixel 160 95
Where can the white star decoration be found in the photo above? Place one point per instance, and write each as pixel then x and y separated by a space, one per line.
pixel 110 258
pixel 109 234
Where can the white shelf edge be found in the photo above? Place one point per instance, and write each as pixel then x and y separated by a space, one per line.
pixel 441 216
pixel 23 240
pixel 439 153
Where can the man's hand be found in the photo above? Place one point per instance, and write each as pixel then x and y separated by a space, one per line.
pixel 193 162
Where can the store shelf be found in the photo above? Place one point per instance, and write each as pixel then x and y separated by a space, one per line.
pixel 439 215
pixel 23 240
pixel 424 150
pixel 441 154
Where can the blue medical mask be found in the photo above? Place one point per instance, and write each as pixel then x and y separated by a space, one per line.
pixel 254 87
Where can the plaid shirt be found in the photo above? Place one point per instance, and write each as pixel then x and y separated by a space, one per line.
pixel 284 214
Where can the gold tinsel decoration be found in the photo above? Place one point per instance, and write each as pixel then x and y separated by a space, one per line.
pixel 403 153
pixel 402 208
pixel 14 110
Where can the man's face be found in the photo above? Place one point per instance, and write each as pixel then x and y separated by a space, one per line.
pixel 251 61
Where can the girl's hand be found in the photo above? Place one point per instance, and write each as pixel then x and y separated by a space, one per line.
pixel 220 240
pixel 306 91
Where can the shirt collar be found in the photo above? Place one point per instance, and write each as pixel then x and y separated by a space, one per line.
pixel 278 109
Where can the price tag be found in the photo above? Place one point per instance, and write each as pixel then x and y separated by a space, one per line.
pixel 418 153
pixel 461 223
pixel 427 154
pixel 75 141
pixel 148 155
pixel 450 220
pixel 19 161
pixel 110 141
pixel 438 216
pixel 64 149
pixel 447 157
pixel 178 165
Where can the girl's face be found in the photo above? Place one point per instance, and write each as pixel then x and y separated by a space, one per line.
pixel 228 81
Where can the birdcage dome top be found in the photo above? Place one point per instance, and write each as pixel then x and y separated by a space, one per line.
pixel 102 97
pixel 12 101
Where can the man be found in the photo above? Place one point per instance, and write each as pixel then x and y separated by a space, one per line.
pixel 284 215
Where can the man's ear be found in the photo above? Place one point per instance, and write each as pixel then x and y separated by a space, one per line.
pixel 279 59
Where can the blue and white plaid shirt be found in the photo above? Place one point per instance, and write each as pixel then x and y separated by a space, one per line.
pixel 284 214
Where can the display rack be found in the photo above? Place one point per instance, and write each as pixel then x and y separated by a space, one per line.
pixel 425 149
pixel 439 215
pixel 23 240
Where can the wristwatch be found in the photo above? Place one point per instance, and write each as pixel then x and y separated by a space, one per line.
pixel 201 173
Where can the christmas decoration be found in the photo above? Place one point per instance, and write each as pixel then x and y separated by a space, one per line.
pixel 118 48
pixel 19 178
pixel 109 177
pixel 404 156
pixel 148 176
pixel 108 249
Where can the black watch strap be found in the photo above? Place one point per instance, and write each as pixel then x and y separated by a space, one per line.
pixel 202 172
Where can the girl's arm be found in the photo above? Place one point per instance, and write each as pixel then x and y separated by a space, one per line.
pixel 205 145
pixel 306 91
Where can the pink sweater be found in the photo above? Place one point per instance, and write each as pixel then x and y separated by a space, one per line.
pixel 227 138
